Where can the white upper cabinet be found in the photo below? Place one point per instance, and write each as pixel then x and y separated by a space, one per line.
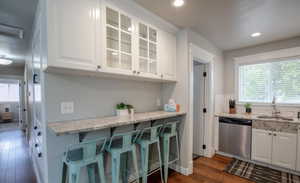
pixel 147 51
pixel 167 56
pixel 284 150
pixel 100 37
pixel 73 34
pixel 118 33
pixel 261 145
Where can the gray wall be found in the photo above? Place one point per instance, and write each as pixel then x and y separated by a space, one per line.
pixel 93 97
pixel 230 55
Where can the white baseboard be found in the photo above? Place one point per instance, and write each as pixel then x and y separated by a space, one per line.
pixel 182 170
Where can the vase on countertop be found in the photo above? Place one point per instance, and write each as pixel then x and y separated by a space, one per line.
pixel 122 112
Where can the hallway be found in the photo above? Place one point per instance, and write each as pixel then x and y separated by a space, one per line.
pixel 15 163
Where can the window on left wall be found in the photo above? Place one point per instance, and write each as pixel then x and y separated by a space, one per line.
pixel 9 92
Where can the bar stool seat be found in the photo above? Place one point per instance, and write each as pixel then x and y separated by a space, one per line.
pixel 119 144
pixel 169 131
pixel 86 154
pixel 148 137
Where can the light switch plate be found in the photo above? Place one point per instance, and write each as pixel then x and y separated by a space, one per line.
pixel 67 107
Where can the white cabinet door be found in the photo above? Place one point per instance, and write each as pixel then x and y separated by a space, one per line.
pixel 261 145
pixel 298 152
pixel 73 34
pixel 167 55
pixel 147 51
pixel 119 36
pixel 284 150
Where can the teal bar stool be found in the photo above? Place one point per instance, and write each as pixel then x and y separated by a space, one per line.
pixel 148 137
pixel 119 144
pixel 86 154
pixel 168 132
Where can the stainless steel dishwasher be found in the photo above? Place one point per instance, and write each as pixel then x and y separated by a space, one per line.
pixel 235 136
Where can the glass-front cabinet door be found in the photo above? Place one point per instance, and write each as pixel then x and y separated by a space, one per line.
pixel 119 38
pixel 147 61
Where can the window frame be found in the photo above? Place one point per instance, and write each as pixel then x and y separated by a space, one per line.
pixel 19 92
pixel 267 57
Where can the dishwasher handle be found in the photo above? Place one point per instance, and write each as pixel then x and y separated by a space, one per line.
pixel 236 121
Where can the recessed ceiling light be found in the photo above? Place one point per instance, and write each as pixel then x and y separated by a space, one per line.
pixel 4 61
pixel 178 3
pixel 256 34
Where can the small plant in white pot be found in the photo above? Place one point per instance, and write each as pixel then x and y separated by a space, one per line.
pixel 124 109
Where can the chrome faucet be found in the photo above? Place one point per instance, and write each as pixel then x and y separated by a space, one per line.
pixel 275 111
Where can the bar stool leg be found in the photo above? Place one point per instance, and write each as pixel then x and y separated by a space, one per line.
pixel 135 163
pixel 101 169
pixel 91 173
pixel 145 161
pixel 64 173
pixel 115 168
pixel 160 162
pixel 166 152
pixel 74 174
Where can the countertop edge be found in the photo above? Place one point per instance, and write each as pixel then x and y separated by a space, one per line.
pixel 129 122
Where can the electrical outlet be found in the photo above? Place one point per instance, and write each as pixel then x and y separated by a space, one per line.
pixel 67 107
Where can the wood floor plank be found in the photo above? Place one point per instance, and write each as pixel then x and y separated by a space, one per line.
pixel 15 163
pixel 206 170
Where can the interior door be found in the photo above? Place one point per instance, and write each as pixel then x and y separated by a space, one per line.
pixel 199 106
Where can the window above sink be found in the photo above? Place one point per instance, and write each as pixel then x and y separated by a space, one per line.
pixel 259 80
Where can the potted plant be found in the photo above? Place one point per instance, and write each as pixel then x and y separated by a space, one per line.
pixel 124 109
pixel 121 109
pixel 248 108
pixel 232 109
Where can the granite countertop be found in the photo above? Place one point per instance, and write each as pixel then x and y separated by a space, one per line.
pixel 88 125
pixel 255 117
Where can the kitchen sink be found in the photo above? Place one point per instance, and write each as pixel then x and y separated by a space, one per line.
pixel 275 117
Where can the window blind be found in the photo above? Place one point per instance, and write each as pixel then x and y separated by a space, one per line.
pixel 260 82
pixel 9 92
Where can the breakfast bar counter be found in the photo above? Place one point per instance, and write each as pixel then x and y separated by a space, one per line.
pixel 89 125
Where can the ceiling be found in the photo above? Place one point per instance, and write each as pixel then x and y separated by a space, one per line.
pixel 229 23
pixel 17 13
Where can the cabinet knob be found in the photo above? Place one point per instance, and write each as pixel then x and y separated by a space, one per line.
pixel 134 72
pixel 35 127
pixel 162 76
pixel 39 155
pixel 270 133
pixel 274 134
pixel 39 133
pixel 138 72
pixel 36 145
pixel 98 66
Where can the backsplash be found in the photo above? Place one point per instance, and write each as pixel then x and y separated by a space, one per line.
pixel 288 111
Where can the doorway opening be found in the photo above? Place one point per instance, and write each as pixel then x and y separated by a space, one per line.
pixel 199 105
pixel 11 116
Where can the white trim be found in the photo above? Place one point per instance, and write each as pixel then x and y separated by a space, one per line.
pixel 184 171
pixel 262 58
pixel 201 55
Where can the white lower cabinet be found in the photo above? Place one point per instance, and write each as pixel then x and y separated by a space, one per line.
pixel 261 145
pixel 276 148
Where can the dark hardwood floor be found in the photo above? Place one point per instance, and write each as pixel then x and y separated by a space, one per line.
pixel 206 170
pixel 16 167
pixel 15 163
